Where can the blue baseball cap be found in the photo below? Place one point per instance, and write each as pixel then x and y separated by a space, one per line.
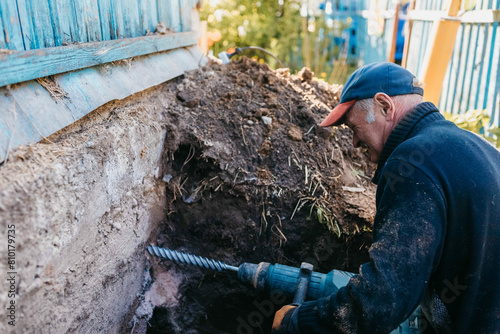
pixel 369 80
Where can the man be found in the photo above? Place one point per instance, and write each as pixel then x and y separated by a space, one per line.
pixel 436 235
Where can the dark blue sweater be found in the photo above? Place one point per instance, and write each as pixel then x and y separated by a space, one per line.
pixel 436 237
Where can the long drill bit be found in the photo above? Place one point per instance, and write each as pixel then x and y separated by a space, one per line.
pixel 190 259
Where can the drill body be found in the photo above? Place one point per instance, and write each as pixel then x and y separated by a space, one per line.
pixel 269 278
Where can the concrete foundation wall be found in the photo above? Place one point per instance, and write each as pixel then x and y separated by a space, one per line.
pixel 79 212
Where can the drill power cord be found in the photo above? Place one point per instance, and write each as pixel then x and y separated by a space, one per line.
pixel 225 57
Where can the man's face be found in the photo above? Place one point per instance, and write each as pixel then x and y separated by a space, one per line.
pixel 369 135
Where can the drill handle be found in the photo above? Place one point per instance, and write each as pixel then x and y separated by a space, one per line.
pixel 302 283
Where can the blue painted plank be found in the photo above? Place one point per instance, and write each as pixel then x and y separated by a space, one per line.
pixel 153 14
pixel 26 24
pixel 41 22
pixel 185 13
pixel 465 72
pixel 92 21
pixel 415 40
pixel 55 18
pixel 36 42
pixel 459 44
pixel 173 14
pixel 131 18
pixel 148 15
pixel 15 128
pixel 11 31
pixel 422 45
pixel 78 14
pixel 61 11
pixel 86 90
pixel 116 20
pixel 482 82
pixel 143 16
pixel 42 112
pixel 163 10
pixel 443 101
pixel 27 65
pixel 472 55
pixel 493 79
pixel 455 65
pixel 481 64
pixel 104 8
pixel 490 58
pixel 3 44
pixel 477 63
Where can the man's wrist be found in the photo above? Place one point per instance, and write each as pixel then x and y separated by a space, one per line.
pixel 291 319
pixel 294 321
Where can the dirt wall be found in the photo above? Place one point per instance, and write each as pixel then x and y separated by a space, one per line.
pixel 81 208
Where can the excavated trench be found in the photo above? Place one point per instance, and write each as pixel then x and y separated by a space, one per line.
pixel 250 177
pixel 231 226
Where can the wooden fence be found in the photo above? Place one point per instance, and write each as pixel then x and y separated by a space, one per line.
pixel 473 75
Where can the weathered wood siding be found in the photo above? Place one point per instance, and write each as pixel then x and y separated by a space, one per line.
pixel 78 42
pixel 37 24
pixel 46 37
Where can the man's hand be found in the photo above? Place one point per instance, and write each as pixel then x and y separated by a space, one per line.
pixel 280 316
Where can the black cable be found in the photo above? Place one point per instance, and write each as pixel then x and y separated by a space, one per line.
pixel 238 51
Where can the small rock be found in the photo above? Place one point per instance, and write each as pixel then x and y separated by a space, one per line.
pixel 167 178
pixel 306 74
pixel 186 98
pixel 160 28
pixel 267 120
pixel 294 133
pixel 250 122
pixel 118 226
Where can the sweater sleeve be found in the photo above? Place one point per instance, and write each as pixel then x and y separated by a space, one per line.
pixel 407 241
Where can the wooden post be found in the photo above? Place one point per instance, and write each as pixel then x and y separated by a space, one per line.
pixel 203 37
pixel 409 26
pixel 392 51
pixel 439 52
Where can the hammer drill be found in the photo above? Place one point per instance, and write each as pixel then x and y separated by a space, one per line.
pixel 298 283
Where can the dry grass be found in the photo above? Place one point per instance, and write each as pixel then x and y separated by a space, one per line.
pixel 52 86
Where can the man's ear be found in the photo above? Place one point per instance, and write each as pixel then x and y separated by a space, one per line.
pixel 385 105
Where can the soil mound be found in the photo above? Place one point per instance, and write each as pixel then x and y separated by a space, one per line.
pixel 251 177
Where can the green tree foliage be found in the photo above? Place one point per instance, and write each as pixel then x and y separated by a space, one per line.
pixel 277 26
